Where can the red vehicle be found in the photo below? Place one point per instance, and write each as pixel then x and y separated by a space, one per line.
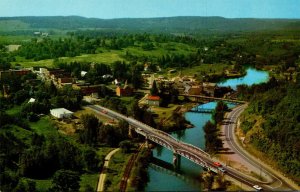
pixel 217 164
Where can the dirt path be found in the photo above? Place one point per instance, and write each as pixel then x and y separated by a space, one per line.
pixel 103 173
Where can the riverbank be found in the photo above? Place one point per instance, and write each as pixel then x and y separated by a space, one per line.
pixel 195 136
pixel 171 118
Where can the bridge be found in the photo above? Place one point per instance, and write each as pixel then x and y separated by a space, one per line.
pixel 208 98
pixel 179 148
pixel 201 110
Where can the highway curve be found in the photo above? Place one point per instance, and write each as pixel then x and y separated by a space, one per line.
pixel 277 182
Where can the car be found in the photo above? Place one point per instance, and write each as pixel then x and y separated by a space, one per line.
pixel 217 164
pixel 222 170
pixel 257 187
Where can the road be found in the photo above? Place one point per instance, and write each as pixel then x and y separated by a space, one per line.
pixel 184 149
pixel 102 177
pixel 276 182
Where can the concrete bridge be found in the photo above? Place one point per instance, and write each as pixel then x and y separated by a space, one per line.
pixel 179 148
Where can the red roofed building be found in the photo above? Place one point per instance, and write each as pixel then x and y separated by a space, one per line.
pixel 124 92
pixel 153 100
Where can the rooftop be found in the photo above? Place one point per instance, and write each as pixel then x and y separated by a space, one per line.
pixel 60 110
pixel 153 98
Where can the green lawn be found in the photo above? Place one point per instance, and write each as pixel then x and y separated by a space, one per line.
pixel 208 69
pixel 14 110
pixel 20 133
pixel 43 185
pixel 89 179
pixel 44 126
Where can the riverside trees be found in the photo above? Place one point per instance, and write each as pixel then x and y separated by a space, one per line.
pixel 271 122
pixel 212 142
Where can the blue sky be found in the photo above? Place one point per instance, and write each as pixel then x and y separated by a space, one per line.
pixel 152 8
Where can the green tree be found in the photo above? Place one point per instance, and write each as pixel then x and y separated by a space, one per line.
pixel 126 146
pixel 91 159
pixel 65 181
pixel 136 77
pixel 219 111
pixel 91 128
pixel 154 89
pixel 20 96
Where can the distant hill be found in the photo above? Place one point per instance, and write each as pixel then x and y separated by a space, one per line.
pixel 167 24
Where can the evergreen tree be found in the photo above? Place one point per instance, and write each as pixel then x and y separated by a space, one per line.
pixel 154 89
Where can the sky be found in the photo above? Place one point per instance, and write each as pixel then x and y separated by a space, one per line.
pixel 152 8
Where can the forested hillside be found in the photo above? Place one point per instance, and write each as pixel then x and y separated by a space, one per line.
pixel 167 24
pixel 272 122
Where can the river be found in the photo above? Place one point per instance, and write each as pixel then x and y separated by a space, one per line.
pixel 164 181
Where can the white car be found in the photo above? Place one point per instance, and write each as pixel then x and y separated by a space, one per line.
pixel 257 187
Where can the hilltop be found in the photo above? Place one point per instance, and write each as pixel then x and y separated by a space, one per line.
pixel 166 24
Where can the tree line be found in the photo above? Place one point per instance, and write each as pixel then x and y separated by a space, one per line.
pixel 278 133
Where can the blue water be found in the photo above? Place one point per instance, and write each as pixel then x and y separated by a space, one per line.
pixel 160 181
pixel 252 77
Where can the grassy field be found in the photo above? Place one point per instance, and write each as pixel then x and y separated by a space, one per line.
pixel 115 171
pixel 105 57
pixel 14 110
pixel 43 185
pixel 200 70
pixel 164 113
pixel 162 49
pixel 44 126
pixel 89 179
pixel 110 56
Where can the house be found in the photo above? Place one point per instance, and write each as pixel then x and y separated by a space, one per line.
pixel 125 91
pixel 195 90
pixel 10 73
pixel 62 81
pixel 61 113
pixel 153 100
pixel 209 88
pixel 87 89
pixel 31 100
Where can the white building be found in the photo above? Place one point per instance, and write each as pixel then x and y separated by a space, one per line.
pixel 61 113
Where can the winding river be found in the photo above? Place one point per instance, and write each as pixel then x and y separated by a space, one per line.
pixel 162 180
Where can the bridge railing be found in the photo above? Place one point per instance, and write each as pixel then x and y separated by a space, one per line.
pixel 197 149
pixel 162 133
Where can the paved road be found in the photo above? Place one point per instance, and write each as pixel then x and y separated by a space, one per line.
pixel 191 152
pixel 277 183
pixel 102 177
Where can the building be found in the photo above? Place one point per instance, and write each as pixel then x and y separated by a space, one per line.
pixel 61 113
pixel 12 73
pixel 195 90
pixel 209 89
pixel 124 92
pixel 62 81
pixel 87 89
pixel 153 100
